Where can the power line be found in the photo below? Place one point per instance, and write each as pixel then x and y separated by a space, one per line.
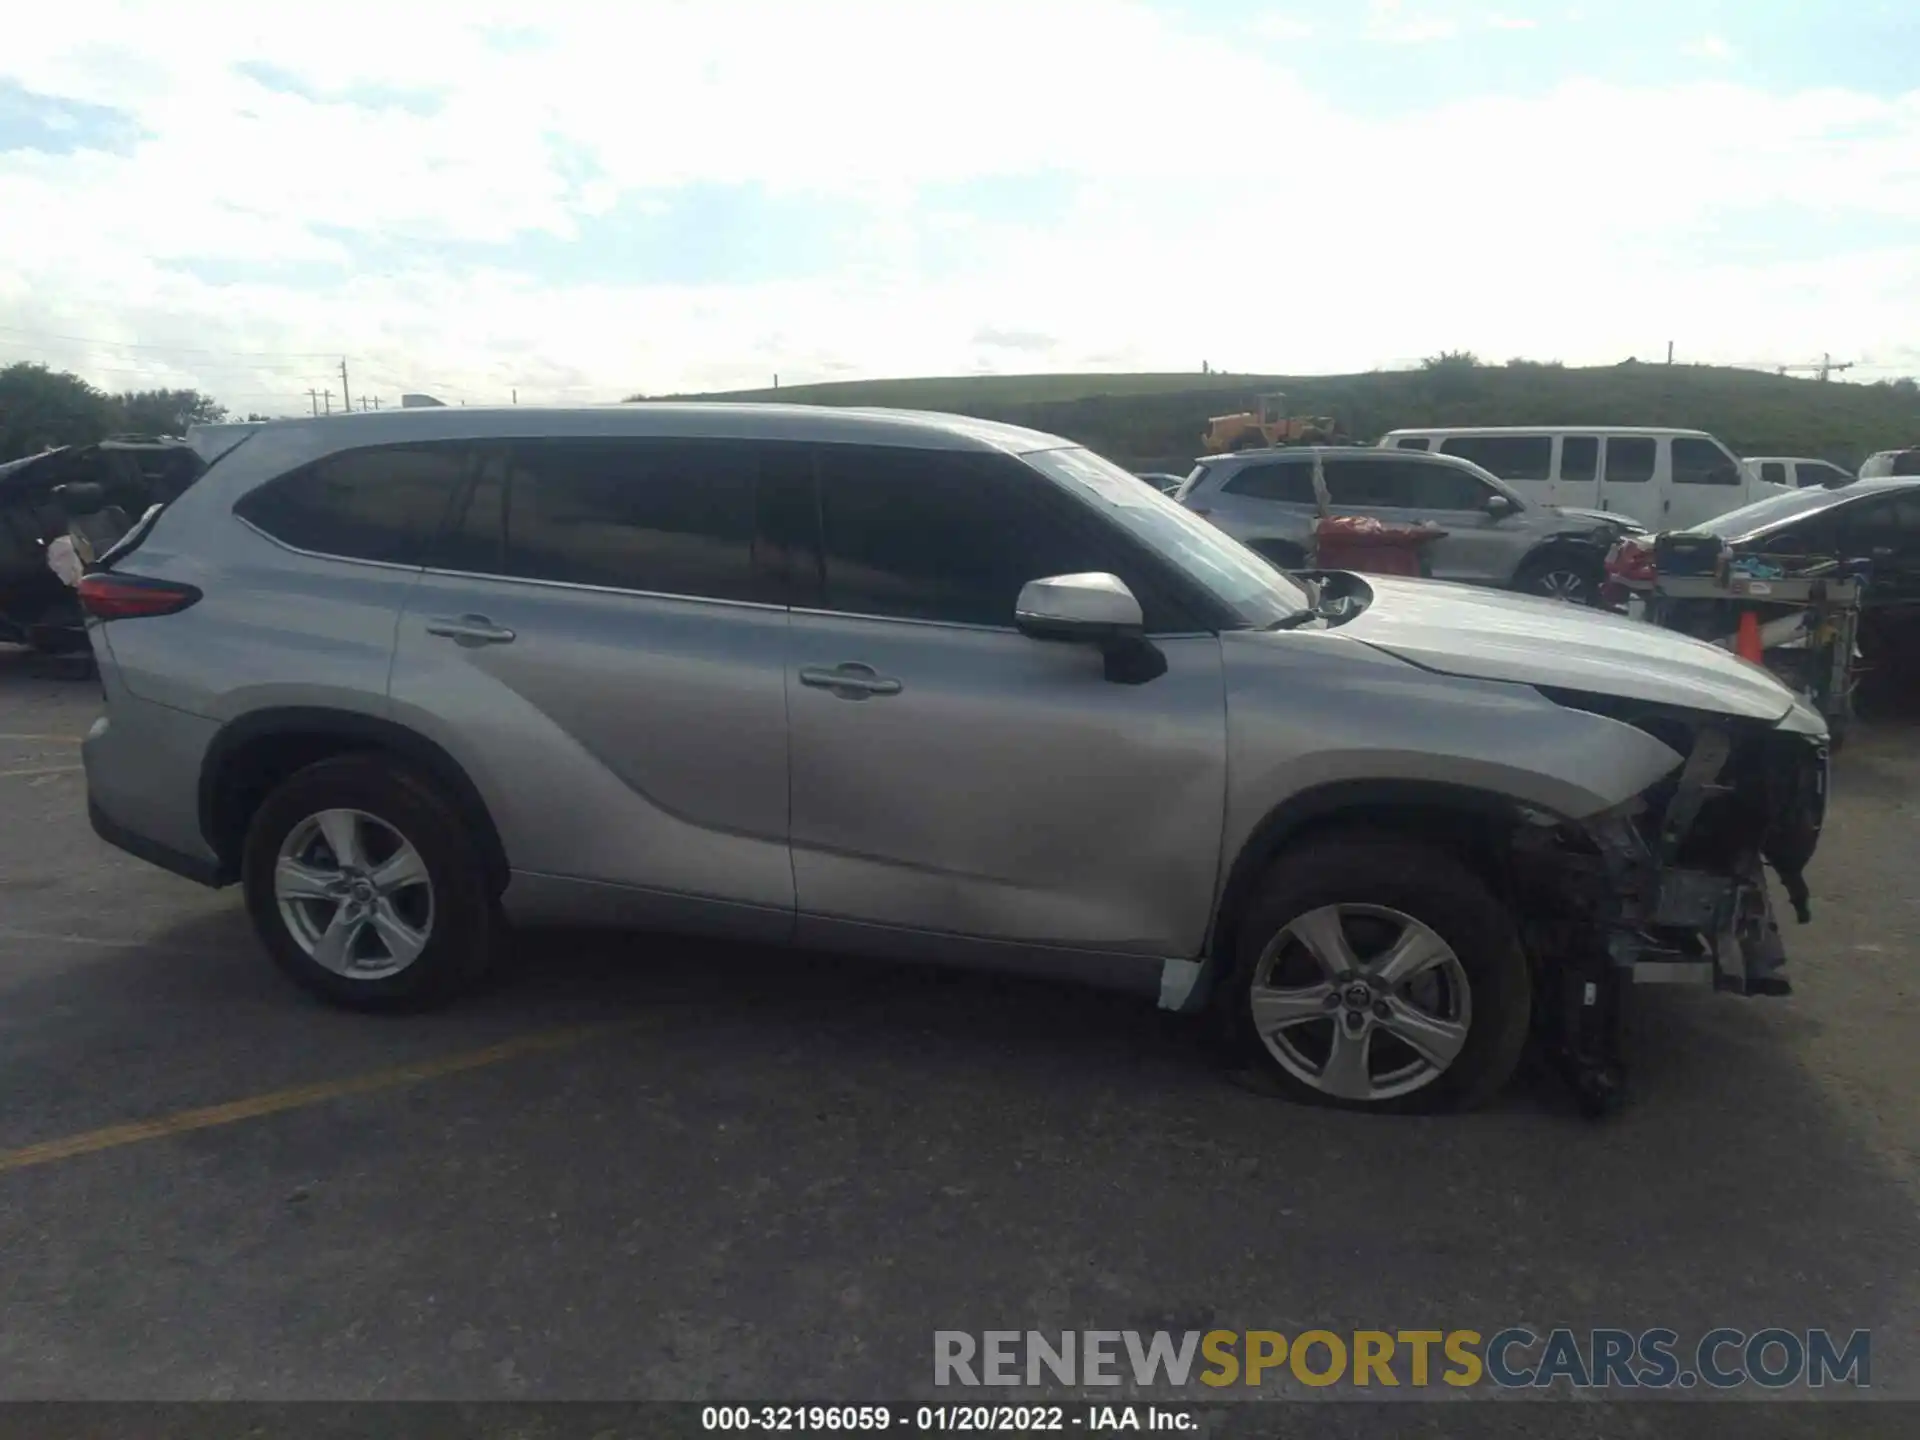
pixel 174 349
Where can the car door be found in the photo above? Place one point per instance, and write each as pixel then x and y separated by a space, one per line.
pixel 1475 548
pixel 598 644
pixel 1628 484
pixel 1707 481
pixel 1577 471
pixel 952 778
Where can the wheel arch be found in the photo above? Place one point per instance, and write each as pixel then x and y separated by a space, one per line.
pixel 1579 547
pixel 1471 821
pixel 253 754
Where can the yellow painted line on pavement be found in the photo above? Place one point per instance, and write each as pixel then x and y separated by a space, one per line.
pixel 46 770
pixel 297 1097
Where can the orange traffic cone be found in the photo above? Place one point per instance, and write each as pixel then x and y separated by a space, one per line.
pixel 1747 643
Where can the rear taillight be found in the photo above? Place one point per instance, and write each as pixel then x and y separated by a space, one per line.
pixel 106 596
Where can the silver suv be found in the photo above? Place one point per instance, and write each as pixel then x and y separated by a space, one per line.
pixel 936 689
pixel 1493 536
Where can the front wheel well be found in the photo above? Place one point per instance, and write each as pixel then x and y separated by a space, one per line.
pixel 1472 825
pixel 1561 550
pixel 253 756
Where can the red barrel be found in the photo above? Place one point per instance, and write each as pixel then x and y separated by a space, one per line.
pixel 1373 547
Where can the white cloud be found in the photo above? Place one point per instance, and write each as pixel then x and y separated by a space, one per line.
pixel 1709 47
pixel 1587 223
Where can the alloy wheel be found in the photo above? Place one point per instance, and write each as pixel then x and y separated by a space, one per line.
pixel 1361 1002
pixel 1569 585
pixel 354 894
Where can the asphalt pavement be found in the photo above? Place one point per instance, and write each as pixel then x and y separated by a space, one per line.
pixel 649 1168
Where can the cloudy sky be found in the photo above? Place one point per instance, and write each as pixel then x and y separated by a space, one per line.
pixel 583 200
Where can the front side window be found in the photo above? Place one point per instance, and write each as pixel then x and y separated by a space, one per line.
pixel 1511 457
pixel 1701 462
pixel 1441 487
pixel 1831 476
pixel 1630 459
pixel 383 503
pixel 1774 472
pixel 1239 580
pixel 671 517
pixel 937 535
pixel 1413 442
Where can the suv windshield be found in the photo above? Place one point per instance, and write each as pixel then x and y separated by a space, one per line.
pixel 1250 587
pixel 1738 524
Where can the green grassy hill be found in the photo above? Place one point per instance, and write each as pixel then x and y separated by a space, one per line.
pixel 1155 421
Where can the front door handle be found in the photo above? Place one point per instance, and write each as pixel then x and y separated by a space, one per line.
pixel 469 630
pixel 852 681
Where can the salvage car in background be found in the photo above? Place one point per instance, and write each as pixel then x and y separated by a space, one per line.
pixel 935 689
pixel 120 478
pixel 1876 521
pixel 1265 499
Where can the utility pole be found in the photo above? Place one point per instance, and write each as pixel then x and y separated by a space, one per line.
pixel 376 402
pixel 516 394
pixel 1669 352
pixel 314 396
pixel 345 398
pixel 326 397
pixel 1822 368
pixel 776 379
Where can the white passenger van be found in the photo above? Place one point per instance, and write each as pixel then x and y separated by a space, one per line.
pixel 1665 479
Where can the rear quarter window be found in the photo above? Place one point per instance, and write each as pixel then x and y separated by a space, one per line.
pixel 383 503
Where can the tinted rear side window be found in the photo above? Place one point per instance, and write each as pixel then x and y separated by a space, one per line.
pixel 673 517
pixel 936 535
pixel 382 503
pixel 1511 457
pixel 1630 459
pixel 1291 482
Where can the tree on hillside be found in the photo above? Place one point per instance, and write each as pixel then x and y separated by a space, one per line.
pixel 41 407
pixel 165 412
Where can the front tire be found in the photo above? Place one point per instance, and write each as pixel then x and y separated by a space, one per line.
pixel 364 885
pixel 1575 579
pixel 1377 973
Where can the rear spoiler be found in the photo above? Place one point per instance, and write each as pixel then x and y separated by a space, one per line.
pixel 210 442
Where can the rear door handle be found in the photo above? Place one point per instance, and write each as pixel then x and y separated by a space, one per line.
pixel 469 630
pixel 852 681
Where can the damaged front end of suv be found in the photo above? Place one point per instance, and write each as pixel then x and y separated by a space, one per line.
pixel 1670 886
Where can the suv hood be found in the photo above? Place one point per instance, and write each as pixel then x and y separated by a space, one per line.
pixel 1487 635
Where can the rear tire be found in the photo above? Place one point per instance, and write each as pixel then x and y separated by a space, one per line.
pixel 405 919
pixel 1461 987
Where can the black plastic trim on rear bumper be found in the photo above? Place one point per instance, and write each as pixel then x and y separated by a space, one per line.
pixel 204 872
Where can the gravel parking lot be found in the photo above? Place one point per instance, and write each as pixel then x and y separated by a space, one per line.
pixel 652 1168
